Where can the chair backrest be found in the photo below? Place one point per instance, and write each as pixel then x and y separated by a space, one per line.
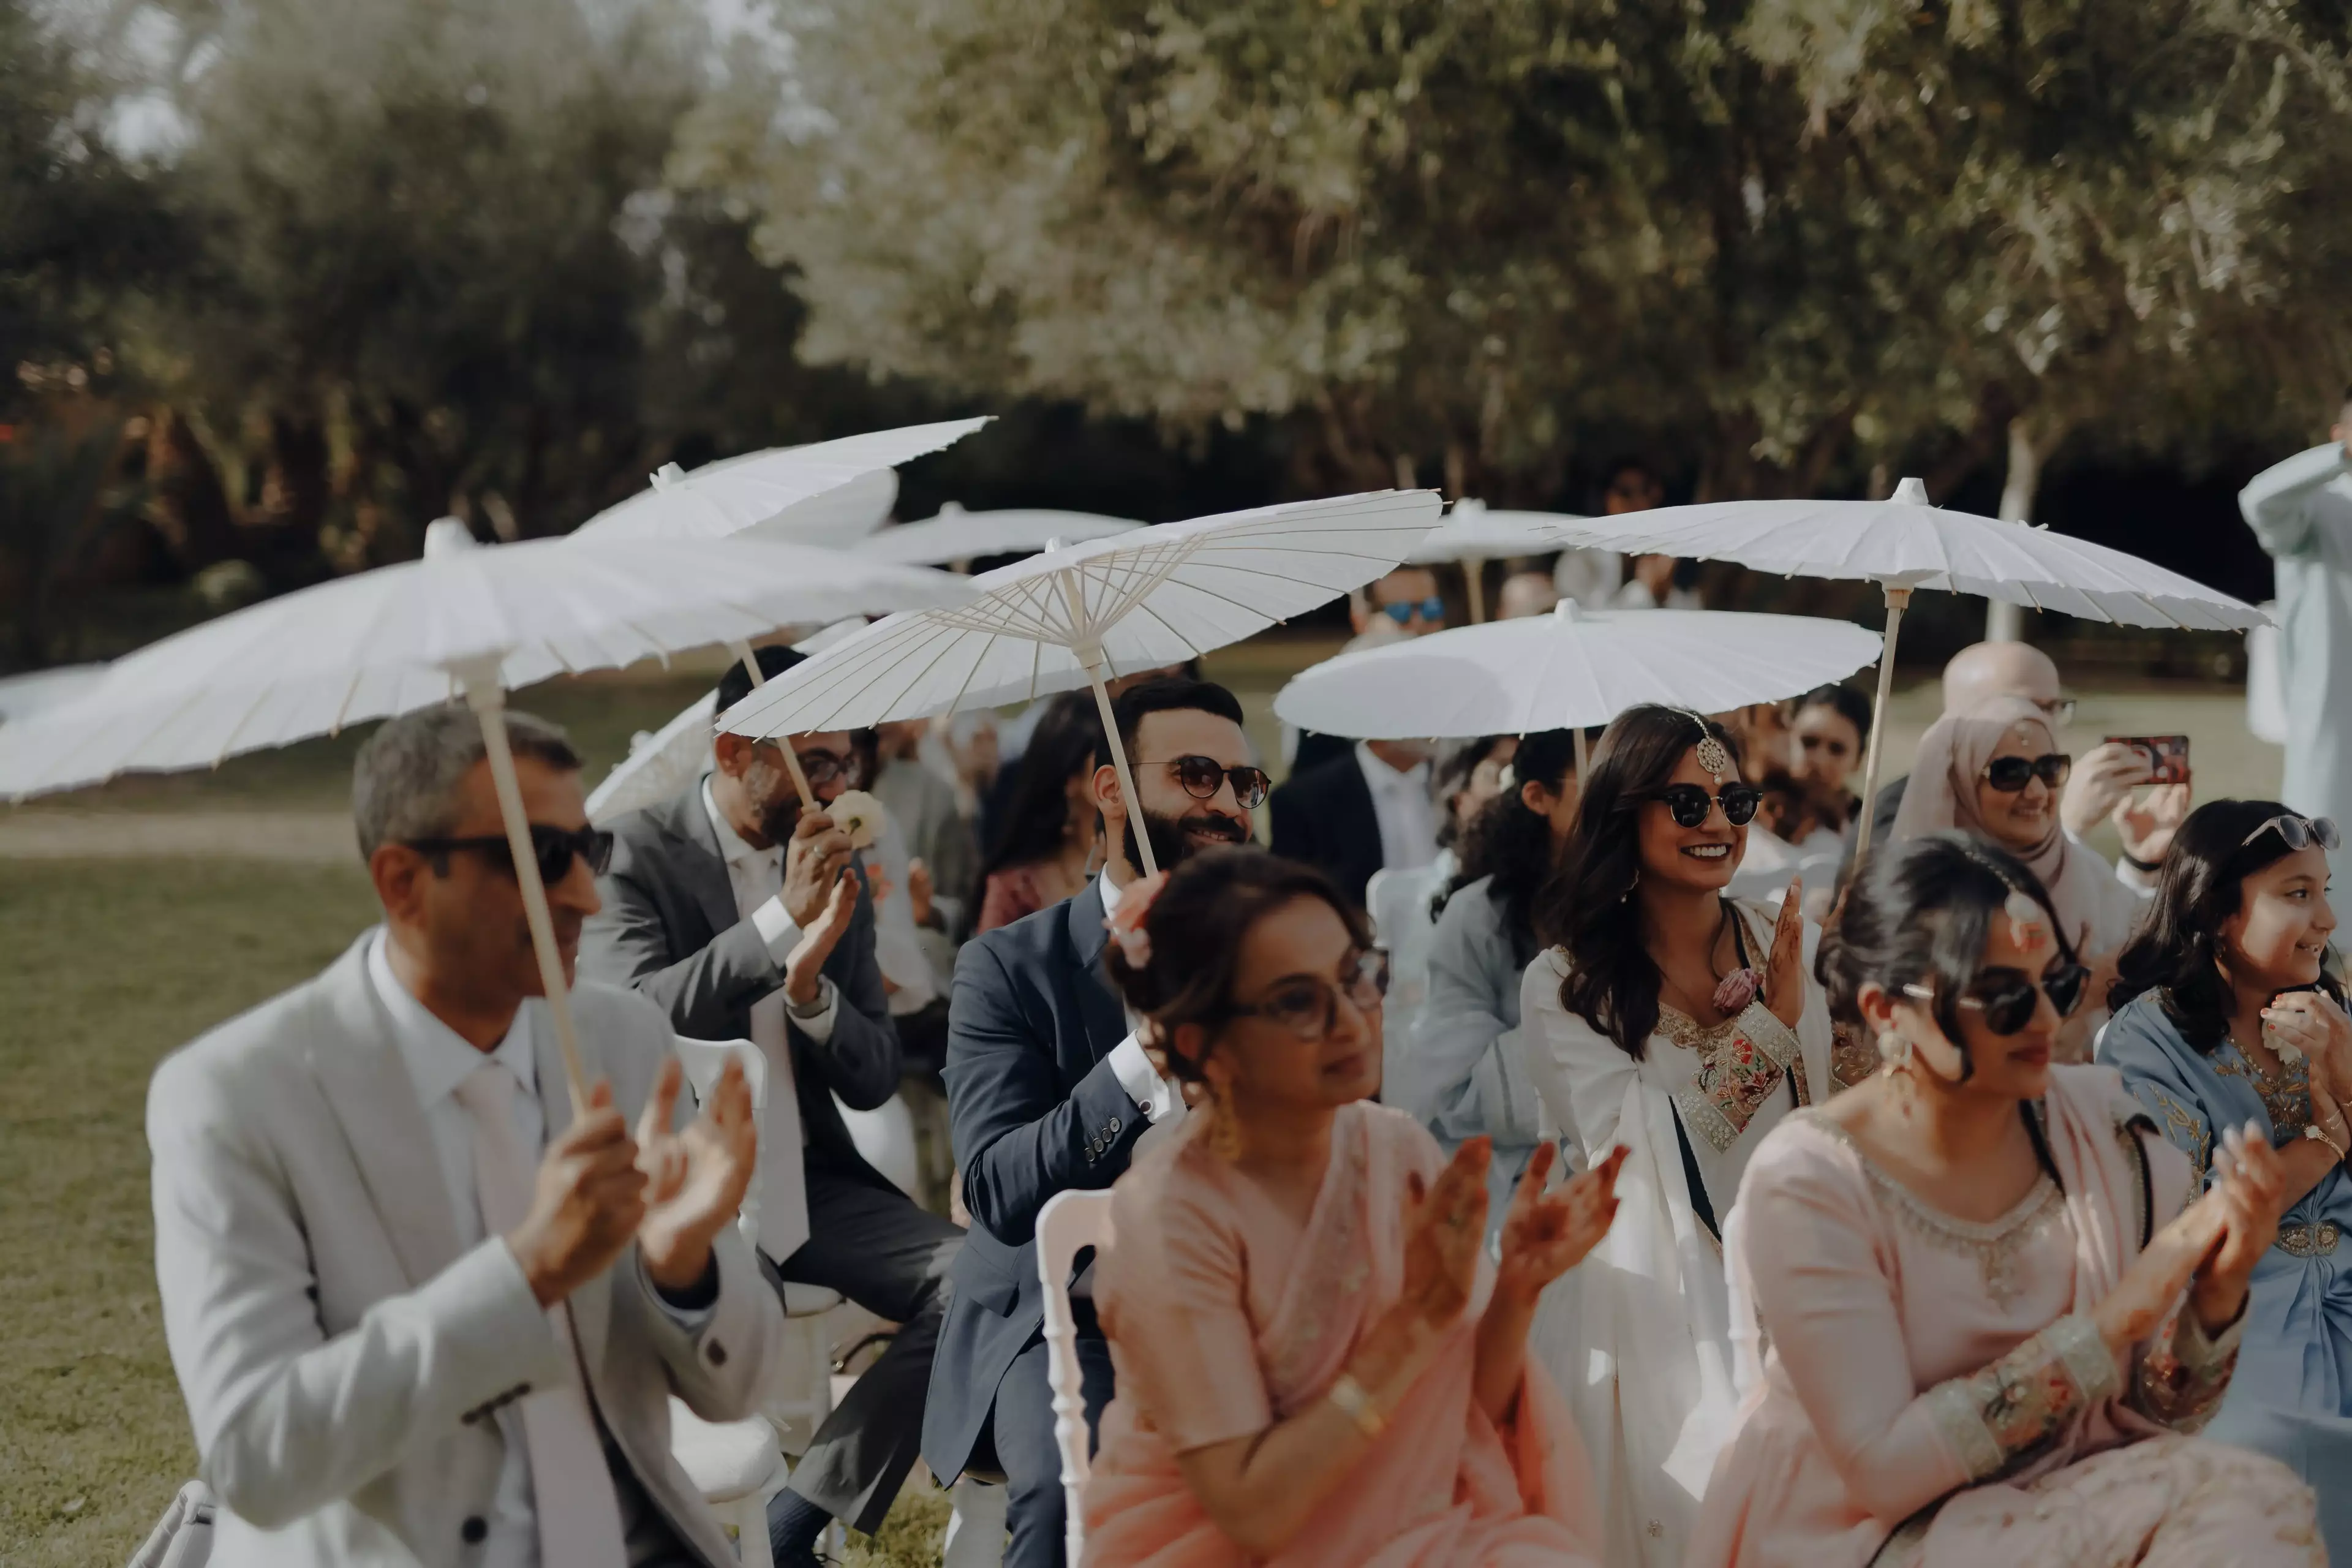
pixel 1066 1225
pixel 704 1060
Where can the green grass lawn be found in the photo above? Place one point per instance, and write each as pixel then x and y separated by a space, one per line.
pixel 106 967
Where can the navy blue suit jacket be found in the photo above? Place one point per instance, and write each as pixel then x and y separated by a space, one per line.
pixel 1037 1109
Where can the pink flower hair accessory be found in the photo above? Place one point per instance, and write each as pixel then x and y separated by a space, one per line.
pixel 1125 926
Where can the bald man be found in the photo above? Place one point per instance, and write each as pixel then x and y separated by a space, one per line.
pixel 2103 778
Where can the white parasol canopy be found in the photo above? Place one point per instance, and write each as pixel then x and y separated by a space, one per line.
pixel 841 519
pixel 957 535
pixel 1474 534
pixel 468 620
pixel 1903 543
pixel 1570 670
pixel 1085 615
pixel 730 496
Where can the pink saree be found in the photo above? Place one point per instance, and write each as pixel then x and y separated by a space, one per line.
pixel 1224 1317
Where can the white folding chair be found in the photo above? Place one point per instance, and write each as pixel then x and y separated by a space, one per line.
pixel 1068 1225
pixel 738 1466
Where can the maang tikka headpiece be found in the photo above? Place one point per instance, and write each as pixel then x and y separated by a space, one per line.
pixel 1713 754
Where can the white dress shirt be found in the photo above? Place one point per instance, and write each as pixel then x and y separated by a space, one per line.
pixel 1401 801
pixel 438 1060
pixel 1158 1097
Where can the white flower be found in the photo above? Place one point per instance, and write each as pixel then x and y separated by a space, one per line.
pixel 858 814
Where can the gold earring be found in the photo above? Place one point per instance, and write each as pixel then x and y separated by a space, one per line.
pixel 1225 1133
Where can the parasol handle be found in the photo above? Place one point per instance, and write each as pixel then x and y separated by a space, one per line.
pixel 743 650
pixel 1897 601
pixel 1119 760
pixel 488 701
pixel 1474 573
pixel 1577 732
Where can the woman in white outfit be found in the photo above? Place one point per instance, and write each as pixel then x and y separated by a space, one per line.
pixel 1670 1019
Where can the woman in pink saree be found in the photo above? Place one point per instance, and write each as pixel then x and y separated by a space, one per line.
pixel 1316 1367
pixel 1985 1325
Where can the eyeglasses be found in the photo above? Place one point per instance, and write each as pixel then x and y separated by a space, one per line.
pixel 2006 996
pixel 1309 1005
pixel 1690 805
pixel 823 767
pixel 2059 711
pixel 2012 774
pixel 1202 777
pixel 2300 832
pixel 1430 609
pixel 551 847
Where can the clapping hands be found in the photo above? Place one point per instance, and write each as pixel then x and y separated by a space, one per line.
pixel 1546 1234
pixel 2214 1244
pixel 695 1176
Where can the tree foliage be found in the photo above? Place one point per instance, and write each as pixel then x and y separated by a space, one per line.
pixel 1798 235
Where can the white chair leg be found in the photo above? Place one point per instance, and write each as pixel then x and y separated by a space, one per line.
pixel 976 1527
pixel 749 1515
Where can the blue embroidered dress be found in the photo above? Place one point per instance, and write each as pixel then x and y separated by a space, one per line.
pixel 2292 1396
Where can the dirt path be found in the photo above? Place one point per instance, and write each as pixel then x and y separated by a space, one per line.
pixel 304 837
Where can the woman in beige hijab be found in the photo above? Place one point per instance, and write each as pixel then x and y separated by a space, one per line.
pixel 1994 769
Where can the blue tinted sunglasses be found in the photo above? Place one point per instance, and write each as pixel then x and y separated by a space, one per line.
pixel 1430 609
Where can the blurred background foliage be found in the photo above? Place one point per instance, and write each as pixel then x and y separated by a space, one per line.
pixel 281 280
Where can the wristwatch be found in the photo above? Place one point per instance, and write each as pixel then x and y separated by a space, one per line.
pixel 823 1000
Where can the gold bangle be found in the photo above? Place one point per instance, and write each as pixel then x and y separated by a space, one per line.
pixel 1360 1407
pixel 2311 1129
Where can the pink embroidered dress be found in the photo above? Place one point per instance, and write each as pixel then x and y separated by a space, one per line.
pixel 1225 1317
pixel 1934 1392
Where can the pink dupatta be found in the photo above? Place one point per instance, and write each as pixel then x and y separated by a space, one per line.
pixel 1442 1488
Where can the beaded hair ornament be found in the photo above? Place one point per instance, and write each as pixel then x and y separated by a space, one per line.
pixel 1711 753
pixel 2029 922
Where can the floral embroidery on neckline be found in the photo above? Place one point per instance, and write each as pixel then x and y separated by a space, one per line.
pixel 1998 1246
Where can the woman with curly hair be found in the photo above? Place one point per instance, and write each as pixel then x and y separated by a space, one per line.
pixel 1670 1018
pixel 1316 1363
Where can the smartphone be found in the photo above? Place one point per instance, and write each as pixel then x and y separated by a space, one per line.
pixel 2166 755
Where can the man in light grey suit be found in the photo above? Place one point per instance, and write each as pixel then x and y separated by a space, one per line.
pixel 420 1311
pixel 743 917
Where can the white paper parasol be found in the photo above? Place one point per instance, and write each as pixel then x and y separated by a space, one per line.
pixel 1087 614
pixel 1570 670
pixel 1474 534
pixel 468 620
pixel 1903 543
pixel 728 497
pixel 957 535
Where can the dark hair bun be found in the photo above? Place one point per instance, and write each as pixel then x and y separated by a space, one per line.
pixel 1196 928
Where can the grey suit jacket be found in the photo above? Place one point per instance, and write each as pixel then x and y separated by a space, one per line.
pixel 670 932
pixel 338 1351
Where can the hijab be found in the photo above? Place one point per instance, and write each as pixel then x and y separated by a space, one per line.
pixel 1942 793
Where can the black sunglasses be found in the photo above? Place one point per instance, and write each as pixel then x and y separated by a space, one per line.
pixel 2006 996
pixel 1690 805
pixel 1309 1005
pixel 1202 777
pixel 2010 775
pixel 823 767
pixel 551 847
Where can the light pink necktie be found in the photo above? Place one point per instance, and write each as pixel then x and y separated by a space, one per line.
pixel 571 1489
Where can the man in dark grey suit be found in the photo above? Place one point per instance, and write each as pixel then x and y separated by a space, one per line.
pixel 1048 1090
pixel 743 918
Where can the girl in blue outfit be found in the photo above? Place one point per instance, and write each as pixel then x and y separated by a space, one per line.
pixel 2229 1009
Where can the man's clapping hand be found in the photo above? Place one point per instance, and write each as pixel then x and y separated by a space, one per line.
pixel 587 1204
pixel 814 858
pixel 695 1177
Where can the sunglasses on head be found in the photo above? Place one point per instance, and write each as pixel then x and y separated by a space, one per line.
pixel 1308 1004
pixel 1690 805
pixel 1430 609
pixel 2010 775
pixel 2300 832
pixel 1202 777
pixel 2006 996
pixel 551 847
